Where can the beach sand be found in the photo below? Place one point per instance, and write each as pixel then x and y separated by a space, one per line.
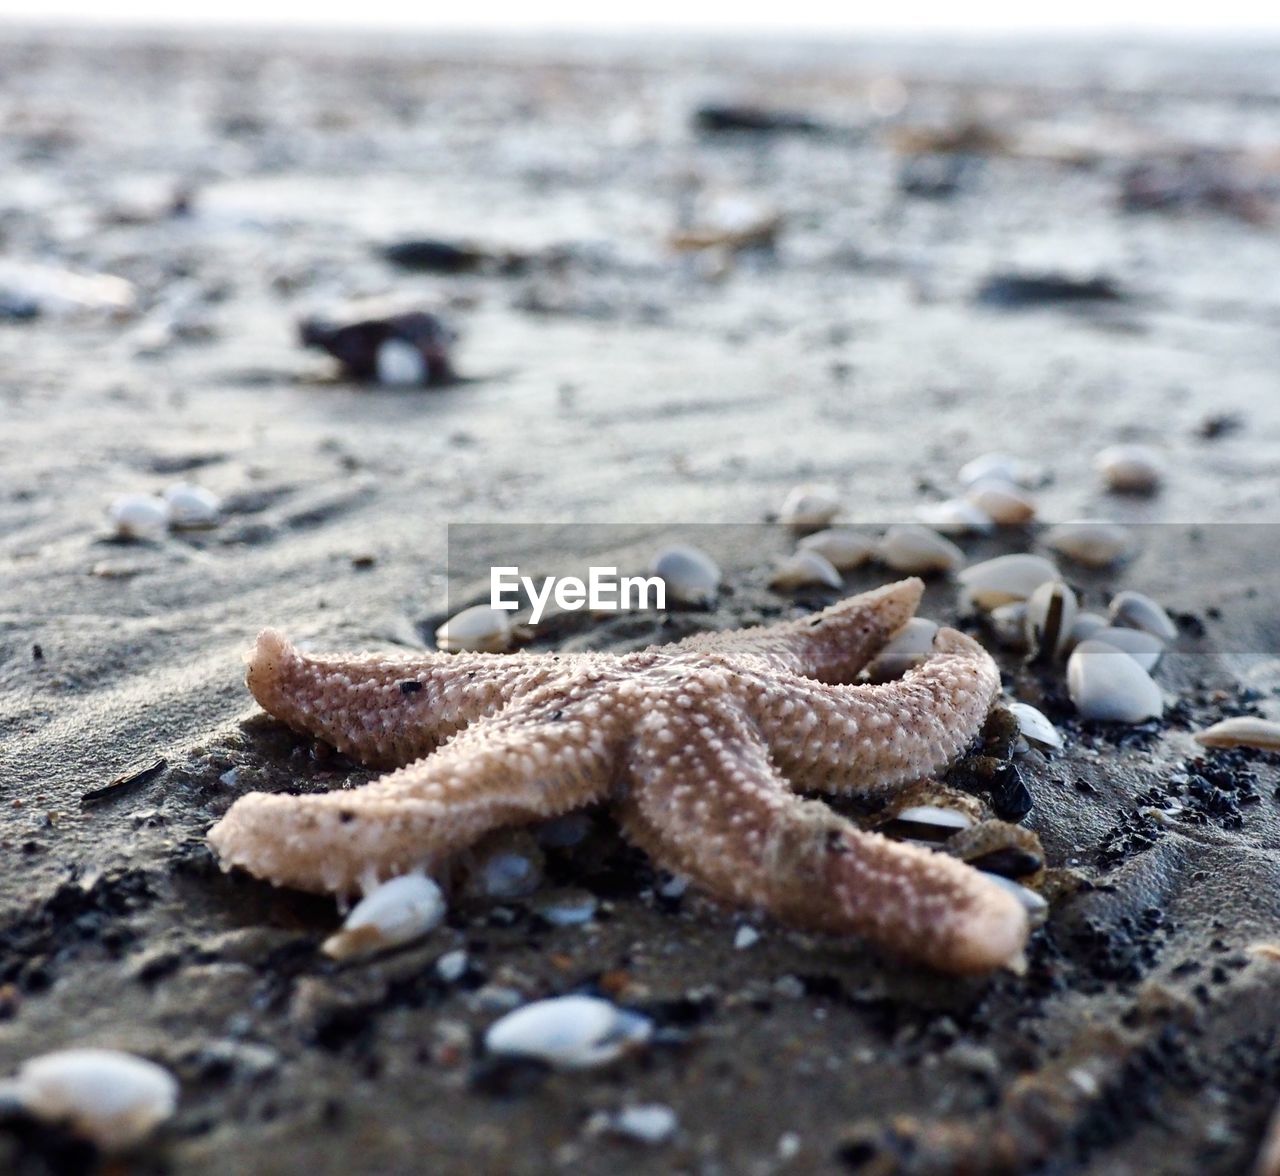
pixel 639 392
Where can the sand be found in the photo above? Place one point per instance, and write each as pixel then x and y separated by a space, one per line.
pixel 636 392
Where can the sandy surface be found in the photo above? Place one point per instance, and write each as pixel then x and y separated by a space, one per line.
pixel 623 387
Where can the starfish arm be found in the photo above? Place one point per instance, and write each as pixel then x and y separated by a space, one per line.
pixel 865 739
pixel 381 709
pixel 536 760
pixel 705 801
pixel 830 646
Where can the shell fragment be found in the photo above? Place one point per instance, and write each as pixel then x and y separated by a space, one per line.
pixel 572 1032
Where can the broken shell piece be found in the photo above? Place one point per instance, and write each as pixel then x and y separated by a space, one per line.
pixel 1109 686
pixel 1003 580
pixel 910 646
pixel 1130 469
pixel 807 508
pixel 1002 501
pixel 1051 611
pixel 842 547
pixel 192 507
pixel 1034 726
pixel 111 1098
pixel 1133 610
pixel 802 569
pixel 1036 905
pixel 911 548
pixel 1003 467
pixel 478 629
pixel 1242 731
pixel 1145 648
pixel 1093 544
pixel 139 516
pixel 691 575
pixel 572 1032
pixel 399 911
pixel 955 516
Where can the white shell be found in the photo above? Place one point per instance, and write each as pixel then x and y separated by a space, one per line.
pixel 842 547
pixel 1003 580
pixel 691 575
pixel 651 1123
pixel 1034 726
pixel 1003 467
pixel 478 629
pixel 1133 610
pixel 400 364
pixel 1243 731
pixel 192 506
pixel 908 648
pixel 807 508
pixel 802 568
pixel 909 547
pixel 111 1098
pixel 935 815
pixel 1051 612
pixel 1086 625
pixel 1108 685
pixel 1092 543
pixel 1145 648
pixel 1002 501
pixel 955 516
pixel 573 1032
pixel 1130 469
pixel 139 516
pixel 399 911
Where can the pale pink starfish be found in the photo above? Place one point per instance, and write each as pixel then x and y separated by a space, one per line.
pixel 701 746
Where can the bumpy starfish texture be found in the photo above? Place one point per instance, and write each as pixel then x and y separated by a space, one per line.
pixel 704 748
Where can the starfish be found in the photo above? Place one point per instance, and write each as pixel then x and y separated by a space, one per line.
pixel 705 748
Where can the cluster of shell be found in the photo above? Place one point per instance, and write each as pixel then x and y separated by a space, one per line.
pixel 184 506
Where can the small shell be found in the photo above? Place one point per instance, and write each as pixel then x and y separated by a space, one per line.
pixel 691 575
pixel 399 364
pixel 1130 469
pixel 192 507
pixel 907 649
pixel 843 547
pixel 807 508
pixel 1108 685
pixel 651 1123
pixel 399 911
pixel 1086 625
pixel 1008 623
pixel 139 516
pixel 1051 611
pixel 1034 726
pixel 111 1098
pixel 911 548
pixel 802 569
pixel 1002 501
pixel 573 1032
pixel 955 516
pixel 1133 610
pixel 1093 544
pixel 1243 731
pixel 1145 648
pixel 478 629
pixel 1003 580
pixel 1003 467
pixel 926 822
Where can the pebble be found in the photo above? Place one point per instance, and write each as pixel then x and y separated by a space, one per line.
pixel 398 911
pixel 452 966
pixel 572 1032
pixel 111 1098
pixel 1130 469
pixel 568 909
pixel 651 1123
pixel 745 937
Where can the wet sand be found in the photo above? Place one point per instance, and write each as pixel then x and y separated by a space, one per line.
pixel 622 386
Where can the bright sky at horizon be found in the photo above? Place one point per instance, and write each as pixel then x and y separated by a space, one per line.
pixel 1225 16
